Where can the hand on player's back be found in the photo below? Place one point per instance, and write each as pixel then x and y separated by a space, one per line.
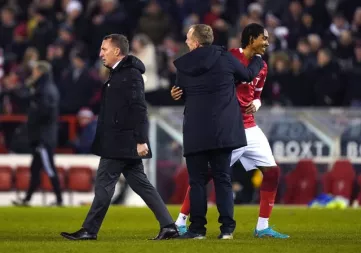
pixel 251 108
pixel 176 93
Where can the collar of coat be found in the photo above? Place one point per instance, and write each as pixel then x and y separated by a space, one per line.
pixel 129 61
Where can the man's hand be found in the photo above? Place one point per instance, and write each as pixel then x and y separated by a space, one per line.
pixel 253 106
pixel 142 149
pixel 176 93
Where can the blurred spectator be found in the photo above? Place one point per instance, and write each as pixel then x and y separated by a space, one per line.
pixel 7 26
pixel 31 55
pixel 75 19
pixel 255 12
pixel 278 80
pixel 58 59
pixel 13 100
pixel 44 33
pixel 234 42
pixel 66 37
pixel 292 19
pixel 318 12
pixel 339 24
pixel 78 84
pixel 143 48
pixel 326 81
pixel 16 49
pixel 356 24
pixel 344 50
pixel 87 123
pixel 215 18
pixel 110 17
pixel 300 86
pixel 308 25
pixel 353 94
pixel 307 57
pixel 155 23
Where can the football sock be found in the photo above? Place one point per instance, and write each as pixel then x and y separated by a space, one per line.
pixel 182 220
pixel 268 195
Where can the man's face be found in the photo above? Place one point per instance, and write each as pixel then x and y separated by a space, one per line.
pixel 109 54
pixel 191 42
pixel 261 43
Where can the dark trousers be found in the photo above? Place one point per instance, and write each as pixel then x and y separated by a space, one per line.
pixel 43 158
pixel 107 176
pixel 198 171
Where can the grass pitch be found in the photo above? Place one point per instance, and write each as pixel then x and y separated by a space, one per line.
pixel 127 229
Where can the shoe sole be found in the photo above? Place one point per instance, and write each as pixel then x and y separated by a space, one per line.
pixel 270 236
pixel 168 238
pixel 226 237
pixel 76 239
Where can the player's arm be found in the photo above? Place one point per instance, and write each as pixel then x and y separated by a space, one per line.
pixel 256 103
pixel 243 73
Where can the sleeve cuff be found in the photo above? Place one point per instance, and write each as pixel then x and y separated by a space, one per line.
pixel 257 103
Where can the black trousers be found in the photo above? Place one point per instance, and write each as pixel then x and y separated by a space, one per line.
pixel 43 158
pixel 107 176
pixel 198 171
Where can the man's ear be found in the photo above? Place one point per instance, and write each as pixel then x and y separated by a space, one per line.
pixel 251 40
pixel 117 51
pixel 197 44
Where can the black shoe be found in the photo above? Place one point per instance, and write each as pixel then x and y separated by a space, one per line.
pixel 81 234
pixel 20 202
pixel 191 235
pixel 225 236
pixel 166 233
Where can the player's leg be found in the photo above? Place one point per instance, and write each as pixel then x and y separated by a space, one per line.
pixel 259 155
pixel 34 182
pixel 181 221
pixel 268 194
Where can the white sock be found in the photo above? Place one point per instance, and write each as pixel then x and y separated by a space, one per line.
pixel 182 220
pixel 262 223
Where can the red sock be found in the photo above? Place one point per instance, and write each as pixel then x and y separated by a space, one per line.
pixel 185 209
pixel 266 203
pixel 268 191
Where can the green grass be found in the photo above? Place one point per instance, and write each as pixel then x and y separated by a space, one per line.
pixel 127 229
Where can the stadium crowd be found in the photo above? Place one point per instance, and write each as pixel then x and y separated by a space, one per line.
pixel 314 55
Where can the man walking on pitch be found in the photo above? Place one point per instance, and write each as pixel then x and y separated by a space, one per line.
pixel 121 140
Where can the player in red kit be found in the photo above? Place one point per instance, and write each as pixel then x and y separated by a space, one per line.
pixel 257 153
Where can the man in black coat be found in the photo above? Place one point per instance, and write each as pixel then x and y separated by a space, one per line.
pixel 212 125
pixel 42 128
pixel 121 140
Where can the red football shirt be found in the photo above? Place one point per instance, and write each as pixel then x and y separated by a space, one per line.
pixel 247 92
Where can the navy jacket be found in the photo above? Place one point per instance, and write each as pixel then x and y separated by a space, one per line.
pixel 212 114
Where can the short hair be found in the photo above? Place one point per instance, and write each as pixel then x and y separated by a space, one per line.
pixel 327 52
pixel 203 34
pixel 252 30
pixel 43 66
pixel 119 41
